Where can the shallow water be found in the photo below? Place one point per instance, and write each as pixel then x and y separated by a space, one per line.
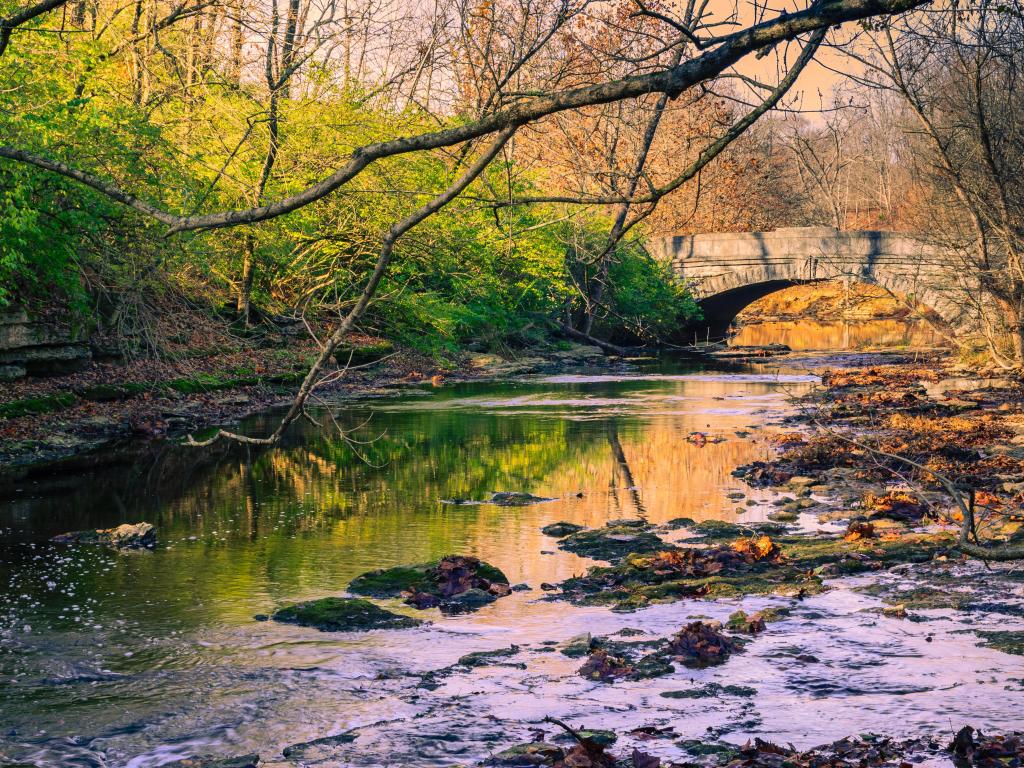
pixel 810 334
pixel 141 658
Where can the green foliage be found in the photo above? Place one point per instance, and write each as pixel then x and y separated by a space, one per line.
pixel 467 274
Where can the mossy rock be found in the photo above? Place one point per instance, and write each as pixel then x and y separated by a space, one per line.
pixel 392 582
pixel 516 499
pixel 102 393
pixel 341 614
pixel 1007 641
pixel 614 542
pixel 37 405
pixel 530 754
pixel 363 354
pixel 630 584
pixel 561 529
pixel 455 583
pixel 711 690
pixel 484 658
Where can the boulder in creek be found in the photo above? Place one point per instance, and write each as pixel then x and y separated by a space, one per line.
pixel 560 529
pixel 343 614
pixel 455 584
pixel 616 540
pixel 125 536
pixel 515 499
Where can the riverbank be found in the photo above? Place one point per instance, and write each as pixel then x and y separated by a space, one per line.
pixel 59 420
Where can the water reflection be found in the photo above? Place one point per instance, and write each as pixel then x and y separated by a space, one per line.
pixel 816 335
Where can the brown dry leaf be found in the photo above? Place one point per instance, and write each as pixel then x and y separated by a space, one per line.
pixel 700 644
pixel 757 548
pixel 858 530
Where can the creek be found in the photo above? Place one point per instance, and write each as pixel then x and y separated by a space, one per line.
pixel 141 658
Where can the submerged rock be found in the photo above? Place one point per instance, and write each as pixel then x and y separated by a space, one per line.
pixel 560 529
pixel 515 499
pixel 298 751
pixel 615 541
pixel 455 584
pixel 484 658
pixel 126 536
pixel 343 614
pixel 244 761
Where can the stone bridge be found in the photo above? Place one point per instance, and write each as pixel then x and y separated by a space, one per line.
pixel 728 271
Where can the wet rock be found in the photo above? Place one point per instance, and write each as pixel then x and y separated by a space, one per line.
pixel 680 522
pixel 603 666
pixel 522 588
pixel 761 474
pixel 456 584
pixel 1007 641
pixel 614 541
pixel 125 536
pixel 711 690
pixel 515 499
pixel 484 658
pixel 340 614
pixel 466 602
pixel 748 624
pixel 561 529
pixel 299 751
pixel 577 646
pixel 533 753
pixel 244 761
pixel 701 645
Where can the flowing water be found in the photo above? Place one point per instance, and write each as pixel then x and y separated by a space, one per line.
pixel 142 658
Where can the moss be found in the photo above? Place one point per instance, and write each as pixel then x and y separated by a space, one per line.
pixel 391 582
pixel 1007 641
pixel 917 598
pixel 362 354
pixel 339 614
pixel 491 573
pixel 613 542
pixel 700 748
pixel 806 559
pixel 37 405
pixel 101 393
pixel 533 753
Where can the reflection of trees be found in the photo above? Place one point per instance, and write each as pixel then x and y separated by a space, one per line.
pixel 620 469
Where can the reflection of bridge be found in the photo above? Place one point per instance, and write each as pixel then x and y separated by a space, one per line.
pixel 728 271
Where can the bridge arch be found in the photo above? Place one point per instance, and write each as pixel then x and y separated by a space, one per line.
pixel 728 271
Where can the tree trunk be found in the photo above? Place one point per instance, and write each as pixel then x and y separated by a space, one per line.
pixel 244 303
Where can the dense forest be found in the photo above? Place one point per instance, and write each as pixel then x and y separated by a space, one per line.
pixel 175 171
